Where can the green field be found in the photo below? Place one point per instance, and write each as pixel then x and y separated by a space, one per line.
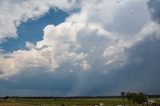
pixel 66 102
pixel 157 100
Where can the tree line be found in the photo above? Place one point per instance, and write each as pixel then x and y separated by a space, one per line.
pixel 134 97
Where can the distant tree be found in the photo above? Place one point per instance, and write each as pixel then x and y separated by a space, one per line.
pixel 129 97
pixel 141 97
pixel 123 94
pixel 136 98
pixel 6 97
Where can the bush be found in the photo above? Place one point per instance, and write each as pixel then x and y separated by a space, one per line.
pixel 136 98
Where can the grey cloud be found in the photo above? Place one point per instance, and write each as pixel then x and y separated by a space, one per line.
pixel 129 19
pixel 154 7
pixel 142 71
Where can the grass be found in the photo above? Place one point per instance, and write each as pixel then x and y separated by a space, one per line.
pixel 157 100
pixel 67 102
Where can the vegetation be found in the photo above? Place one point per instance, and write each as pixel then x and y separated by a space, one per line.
pixel 157 100
pixel 128 99
pixel 64 102
pixel 123 94
pixel 136 98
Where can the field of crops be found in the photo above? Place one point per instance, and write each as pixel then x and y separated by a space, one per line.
pixel 66 102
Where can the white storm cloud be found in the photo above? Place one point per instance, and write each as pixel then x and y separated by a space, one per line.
pixel 97 36
pixel 13 12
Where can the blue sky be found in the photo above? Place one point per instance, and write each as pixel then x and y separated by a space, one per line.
pixel 79 48
pixel 32 30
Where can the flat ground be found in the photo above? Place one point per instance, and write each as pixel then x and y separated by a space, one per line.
pixel 67 102
pixel 157 100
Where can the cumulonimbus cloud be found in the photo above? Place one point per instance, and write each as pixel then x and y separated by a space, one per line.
pixel 84 36
pixel 95 40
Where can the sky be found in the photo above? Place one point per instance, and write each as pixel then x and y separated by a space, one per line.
pixel 79 47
